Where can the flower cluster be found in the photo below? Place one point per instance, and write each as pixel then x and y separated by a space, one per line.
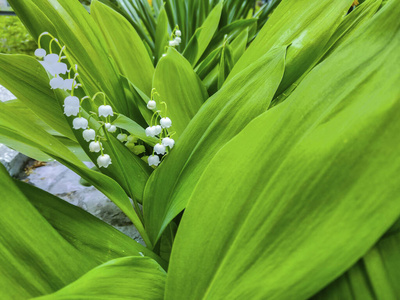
pixel 160 130
pixel 54 65
pixel 175 38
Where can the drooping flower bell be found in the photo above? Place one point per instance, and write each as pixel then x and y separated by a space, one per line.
pixel 153 160
pixel 178 40
pixel 68 83
pixel 166 122
pixel 107 125
pixel 151 104
pixel 157 129
pixel 53 66
pixel 89 135
pixel 178 33
pixel 80 123
pixel 95 147
pixel 104 160
pixel 105 111
pixel 71 101
pixel 57 83
pixel 173 43
pixel 168 142
pixel 112 129
pixel 151 131
pixel 71 110
pixel 132 139
pixel 159 149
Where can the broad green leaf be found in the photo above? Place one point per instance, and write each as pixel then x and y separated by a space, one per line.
pixel 375 276
pixel 203 35
pixel 28 81
pixel 179 86
pixel 37 138
pixel 305 24
pixel 122 278
pixel 135 129
pixel 312 183
pixel 219 119
pixel 239 45
pixel 91 236
pixel 125 45
pixel 84 43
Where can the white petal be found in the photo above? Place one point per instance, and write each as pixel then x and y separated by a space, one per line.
pixel 166 122
pixel 157 129
pixel 40 52
pixel 151 104
pixel 72 101
pixel 95 147
pixel 178 33
pixel 71 110
pixel 153 160
pixel 80 123
pixel 51 58
pixel 60 68
pixel 89 135
pixel 159 149
pixel 177 40
pixel 107 125
pixel 112 128
pixel 56 83
pixel 105 111
pixel 104 160
pixel 168 142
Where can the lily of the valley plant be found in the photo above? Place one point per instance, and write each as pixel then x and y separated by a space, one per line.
pixel 255 149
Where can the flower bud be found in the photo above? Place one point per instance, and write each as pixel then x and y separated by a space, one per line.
pixel 151 104
pixel 112 129
pixel 132 139
pixel 153 160
pixel 178 33
pixel 166 122
pixel 104 161
pixel 177 40
pixel 89 135
pixel 80 123
pixel 105 111
pixel 95 147
pixel 122 137
pixel 139 149
pixel 107 125
pixel 172 43
pixel 40 53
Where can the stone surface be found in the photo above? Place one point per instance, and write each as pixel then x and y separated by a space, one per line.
pixel 62 182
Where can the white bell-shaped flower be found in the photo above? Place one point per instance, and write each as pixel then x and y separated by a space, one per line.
pixel 168 142
pixel 112 129
pixel 150 131
pixel 104 160
pixel 95 147
pixel 159 149
pixel 72 101
pixel 178 33
pixel 57 83
pixel 59 68
pixel 157 129
pixel 80 123
pixel 173 43
pixel 40 53
pixel 51 58
pixel 151 104
pixel 122 137
pixel 178 40
pixel 68 84
pixel 71 110
pixel 153 160
pixel 89 135
pixel 105 111
pixel 166 122
pixel 107 125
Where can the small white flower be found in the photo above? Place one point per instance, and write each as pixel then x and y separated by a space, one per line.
pixel 150 131
pixel 173 43
pixel 178 33
pixel 178 40
pixel 107 125
pixel 51 58
pixel 89 135
pixel 95 147
pixel 40 53
pixel 168 142
pixel 80 123
pixel 122 137
pixel 104 160
pixel 71 110
pixel 153 160
pixel 59 68
pixel 105 111
pixel 132 139
pixel 166 122
pixel 68 84
pixel 112 128
pixel 72 101
pixel 157 129
pixel 56 83
pixel 159 149
pixel 151 104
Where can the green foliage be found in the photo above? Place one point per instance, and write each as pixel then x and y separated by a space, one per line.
pixel 15 39
pixel 281 184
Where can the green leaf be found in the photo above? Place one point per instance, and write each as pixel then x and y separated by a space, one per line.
pixel 312 183
pixel 203 35
pixel 123 278
pixel 125 45
pixel 375 276
pixel 162 35
pixel 179 86
pixel 305 24
pixel 219 119
pixel 135 129
pixel 28 81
